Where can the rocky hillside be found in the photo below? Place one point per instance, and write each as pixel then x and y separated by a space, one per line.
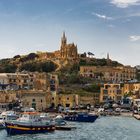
pixel 32 63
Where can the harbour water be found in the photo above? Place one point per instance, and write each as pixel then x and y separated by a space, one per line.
pixel 104 128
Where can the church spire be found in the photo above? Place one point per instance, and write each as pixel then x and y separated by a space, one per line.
pixel 108 60
pixel 63 39
pixel 108 56
pixel 64 35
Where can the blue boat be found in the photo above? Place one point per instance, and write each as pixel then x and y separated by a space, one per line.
pixel 81 117
pixel 29 123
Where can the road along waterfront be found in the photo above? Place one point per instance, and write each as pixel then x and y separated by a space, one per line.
pixel 104 128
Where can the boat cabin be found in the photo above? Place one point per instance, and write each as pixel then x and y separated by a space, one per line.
pixel 29 116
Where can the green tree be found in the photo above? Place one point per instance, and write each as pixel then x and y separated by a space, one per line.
pixel 40 66
pixel 10 68
pixel 17 56
pixel 32 56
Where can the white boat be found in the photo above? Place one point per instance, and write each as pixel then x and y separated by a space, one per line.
pixel 59 121
pixel 7 116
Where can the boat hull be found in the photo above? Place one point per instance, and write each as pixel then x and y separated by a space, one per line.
pixel 15 129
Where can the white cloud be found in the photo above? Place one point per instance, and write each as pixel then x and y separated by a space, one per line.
pixel 125 3
pixel 134 14
pixel 102 16
pixel 111 26
pixel 134 38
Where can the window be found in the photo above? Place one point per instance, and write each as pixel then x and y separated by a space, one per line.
pixel 34 105
pixel 90 76
pixel 41 100
pixel 105 97
pixel 25 81
pixel 119 91
pixel 52 87
pixel 52 82
pixel 105 91
pixel 67 105
pixel 119 98
pixel 33 100
pixel 68 98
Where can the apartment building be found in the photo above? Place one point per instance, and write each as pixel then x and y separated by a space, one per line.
pixel 112 92
pixel 108 73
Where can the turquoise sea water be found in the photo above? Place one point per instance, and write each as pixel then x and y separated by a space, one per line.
pixel 104 128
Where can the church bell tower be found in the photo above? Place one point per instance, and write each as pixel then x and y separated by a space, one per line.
pixel 63 44
pixel 63 40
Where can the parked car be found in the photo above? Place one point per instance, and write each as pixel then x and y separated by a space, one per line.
pixel 100 109
pixel 92 108
pixel 135 111
pixel 107 106
pixel 118 109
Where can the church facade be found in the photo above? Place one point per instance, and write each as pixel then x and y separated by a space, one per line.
pixel 68 51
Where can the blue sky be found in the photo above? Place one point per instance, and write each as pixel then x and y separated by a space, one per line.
pixel 99 26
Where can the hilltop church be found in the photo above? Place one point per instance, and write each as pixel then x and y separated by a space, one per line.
pixel 66 52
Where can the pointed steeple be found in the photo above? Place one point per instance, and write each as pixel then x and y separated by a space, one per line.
pixel 64 35
pixel 108 60
pixel 108 56
pixel 63 39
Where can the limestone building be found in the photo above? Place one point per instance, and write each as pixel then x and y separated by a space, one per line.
pixel 6 98
pixel 108 73
pixel 36 100
pixel 15 81
pixel 70 100
pixel 65 100
pixel 111 92
pixel 132 89
pixel 28 81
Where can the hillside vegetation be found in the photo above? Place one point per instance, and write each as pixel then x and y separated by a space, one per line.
pixel 32 63
pixel 28 62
